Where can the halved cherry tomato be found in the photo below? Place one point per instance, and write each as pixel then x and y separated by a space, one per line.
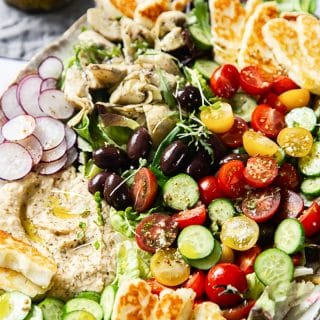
pixel 156 287
pixel 272 100
pixel 219 277
pixel 291 204
pixel 233 137
pixel 189 217
pixel 245 259
pixel 310 219
pixel 282 84
pixel 254 81
pixel 255 143
pixel 260 171
pixel 261 205
pixel 196 282
pixel 156 231
pixel 224 81
pixel 267 120
pixel 144 189
pixel 230 178
pixel 209 189
pixel 288 177
pixel 239 312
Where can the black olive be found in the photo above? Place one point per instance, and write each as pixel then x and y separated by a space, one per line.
pixel 219 149
pixel 200 166
pixel 189 98
pixel 234 156
pixel 111 158
pixel 117 193
pixel 174 158
pixel 266 233
pixel 97 182
pixel 139 144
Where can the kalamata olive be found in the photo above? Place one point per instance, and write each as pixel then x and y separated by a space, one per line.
pixel 200 166
pixel 139 144
pixel 266 233
pixel 117 193
pixel 189 98
pixel 234 156
pixel 97 182
pixel 174 158
pixel 219 149
pixel 111 158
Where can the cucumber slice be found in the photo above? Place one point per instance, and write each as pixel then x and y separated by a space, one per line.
pixel 83 304
pixel 207 262
pixel 220 210
pixel 92 295
pixel 289 236
pixel 14 306
pixel 78 315
pixel 181 192
pixel 199 38
pixel 310 164
pixel 195 242
pixel 52 309
pixel 205 67
pixel 273 265
pixel 243 106
pixel 311 187
pixel 301 117
pixel 107 300
pixel 35 314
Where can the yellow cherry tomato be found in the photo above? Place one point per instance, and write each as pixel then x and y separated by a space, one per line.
pixel 239 233
pixel 296 142
pixel 255 143
pixel 295 98
pixel 226 254
pixel 218 118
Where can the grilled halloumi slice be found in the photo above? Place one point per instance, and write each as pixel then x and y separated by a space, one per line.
pixel 23 258
pixel 126 7
pixel 207 311
pixel 14 281
pixel 254 50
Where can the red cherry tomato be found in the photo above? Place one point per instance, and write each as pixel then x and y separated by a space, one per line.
pixel 267 120
pixel 156 287
pixel 260 171
pixel 261 205
pixel 245 259
pixel 233 137
pixel 291 204
pixel 282 84
pixel 288 177
pixel 297 258
pixel 219 277
pixel 196 282
pixel 272 100
pixel 239 312
pixel 224 81
pixel 209 189
pixel 144 189
pixel 156 231
pixel 230 178
pixel 310 219
pixel 254 81
pixel 189 217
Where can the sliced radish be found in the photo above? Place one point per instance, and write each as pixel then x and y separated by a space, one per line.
pixel 53 103
pixel 15 161
pixel 72 155
pixel 34 147
pixel 3 120
pixel 51 67
pixel 51 167
pixel 55 153
pixel 19 128
pixel 71 137
pixel 49 131
pixel 28 95
pixel 49 83
pixel 10 104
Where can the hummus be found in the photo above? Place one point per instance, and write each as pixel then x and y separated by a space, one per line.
pixel 59 217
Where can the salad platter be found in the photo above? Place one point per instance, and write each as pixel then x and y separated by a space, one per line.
pixel 161 160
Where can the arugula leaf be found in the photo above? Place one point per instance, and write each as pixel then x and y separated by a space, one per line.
pixel 166 91
pixel 201 11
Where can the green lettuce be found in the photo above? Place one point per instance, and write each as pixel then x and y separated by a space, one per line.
pixel 309 6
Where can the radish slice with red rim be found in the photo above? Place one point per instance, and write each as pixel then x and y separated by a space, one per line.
pixel 19 128
pixel 15 161
pixel 47 168
pixel 34 147
pixel 10 104
pixel 51 67
pixel 49 83
pixel 53 103
pixel 49 131
pixel 72 156
pixel 55 153
pixel 71 137
pixel 28 95
pixel 3 120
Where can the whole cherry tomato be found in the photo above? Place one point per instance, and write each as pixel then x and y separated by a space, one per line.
pixel 196 282
pixel 272 100
pixel 282 84
pixel 310 219
pixel 209 189
pixel 245 259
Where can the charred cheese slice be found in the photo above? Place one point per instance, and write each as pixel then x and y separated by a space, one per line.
pixel 126 7
pixel 207 311
pixel 25 259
